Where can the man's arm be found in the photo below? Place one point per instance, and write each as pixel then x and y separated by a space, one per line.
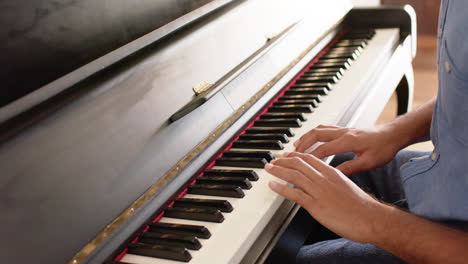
pixel 422 240
pixel 340 205
pixel 374 146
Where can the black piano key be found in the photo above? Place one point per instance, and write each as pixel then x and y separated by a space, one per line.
pixel 353 41
pixel 312 103
pixel 222 205
pixel 316 97
pixel 327 70
pixel 325 64
pixel 268 155
pixel 199 214
pixel 180 229
pixel 321 65
pixel 299 116
pixel 254 144
pixel 249 174
pixel 344 50
pixel 358 36
pixel 356 44
pixel 357 50
pixel 173 253
pixel 317 79
pixel 281 137
pixel 249 162
pixel 348 54
pixel 171 240
pixel 280 122
pixel 336 75
pixel 216 190
pixel 349 61
pixel 269 130
pixel 300 85
pixel 319 91
pixel 340 56
pixel 301 108
pixel 244 183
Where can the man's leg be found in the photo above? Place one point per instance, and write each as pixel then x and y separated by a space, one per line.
pixel 340 251
pixel 385 184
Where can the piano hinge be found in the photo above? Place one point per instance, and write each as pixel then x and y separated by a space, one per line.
pixel 201 87
pixel 270 36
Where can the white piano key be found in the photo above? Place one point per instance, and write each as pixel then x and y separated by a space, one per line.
pixel 231 239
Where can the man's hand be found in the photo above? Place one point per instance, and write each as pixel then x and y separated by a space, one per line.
pixel 329 196
pixel 337 203
pixel 374 147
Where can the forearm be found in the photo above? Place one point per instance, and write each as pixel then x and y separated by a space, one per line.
pixel 412 127
pixel 417 240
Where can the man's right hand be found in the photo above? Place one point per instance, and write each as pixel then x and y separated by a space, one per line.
pixel 374 147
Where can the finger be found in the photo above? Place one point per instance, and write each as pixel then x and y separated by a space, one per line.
pixel 314 162
pixel 295 163
pixel 353 166
pixel 290 175
pixel 291 194
pixel 331 148
pixel 317 135
pixel 327 126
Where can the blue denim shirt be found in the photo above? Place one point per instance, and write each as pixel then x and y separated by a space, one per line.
pixel 436 186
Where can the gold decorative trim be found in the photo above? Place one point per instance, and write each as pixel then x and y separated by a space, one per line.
pixel 91 246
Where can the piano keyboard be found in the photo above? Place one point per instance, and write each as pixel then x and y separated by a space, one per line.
pixel 225 210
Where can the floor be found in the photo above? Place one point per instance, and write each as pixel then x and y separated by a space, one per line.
pixel 425 79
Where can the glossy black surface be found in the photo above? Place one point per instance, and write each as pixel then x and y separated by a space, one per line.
pixel 44 40
pixel 249 174
pixel 244 183
pixel 316 97
pixel 268 130
pixel 155 251
pixel 216 190
pixel 304 83
pixel 222 205
pixel 299 116
pixel 191 230
pixel 171 240
pixel 200 214
pixel 307 91
pixel 248 162
pixel 278 122
pixel 268 155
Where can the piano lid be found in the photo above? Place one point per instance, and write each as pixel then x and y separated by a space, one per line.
pixel 69 176
pixel 57 44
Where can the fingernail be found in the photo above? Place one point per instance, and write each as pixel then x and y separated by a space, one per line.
pixel 273 161
pixel 296 143
pixel 285 154
pixel 268 166
pixel 273 185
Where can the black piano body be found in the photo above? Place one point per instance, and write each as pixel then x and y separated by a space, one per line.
pixel 91 157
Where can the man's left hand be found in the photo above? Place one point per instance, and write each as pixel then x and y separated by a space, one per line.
pixel 327 194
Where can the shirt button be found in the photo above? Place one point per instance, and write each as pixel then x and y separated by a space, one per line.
pixel 439 32
pixel 434 156
pixel 447 66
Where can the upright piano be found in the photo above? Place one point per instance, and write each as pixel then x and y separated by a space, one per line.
pixel 137 131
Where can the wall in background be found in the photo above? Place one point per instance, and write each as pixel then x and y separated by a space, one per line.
pixel 366 2
pixel 427 13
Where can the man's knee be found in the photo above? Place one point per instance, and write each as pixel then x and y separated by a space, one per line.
pixel 344 251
